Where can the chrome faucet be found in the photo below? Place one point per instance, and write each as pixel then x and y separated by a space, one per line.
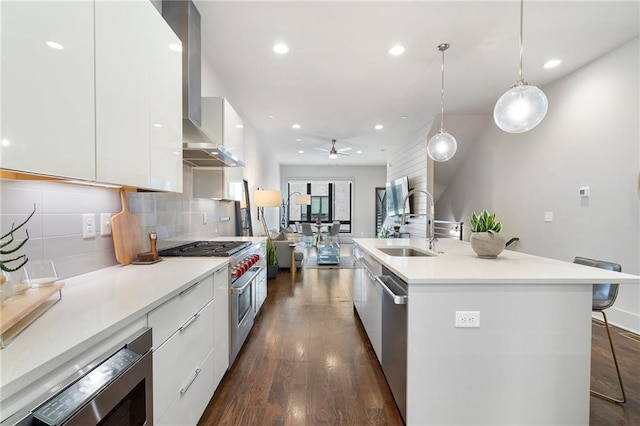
pixel 430 230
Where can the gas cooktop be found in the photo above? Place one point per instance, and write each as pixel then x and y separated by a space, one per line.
pixel 206 249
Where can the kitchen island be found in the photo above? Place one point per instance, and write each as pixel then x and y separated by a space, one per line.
pixel 528 362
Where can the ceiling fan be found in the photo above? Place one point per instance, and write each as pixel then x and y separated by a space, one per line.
pixel 333 152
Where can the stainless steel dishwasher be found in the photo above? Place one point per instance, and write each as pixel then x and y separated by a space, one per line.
pixel 394 336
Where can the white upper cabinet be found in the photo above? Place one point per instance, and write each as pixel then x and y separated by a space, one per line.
pixel 138 97
pixel 47 106
pixel 166 107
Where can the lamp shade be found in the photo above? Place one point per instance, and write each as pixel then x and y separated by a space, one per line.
pixel 268 198
pixel 520 109
pixel 303 200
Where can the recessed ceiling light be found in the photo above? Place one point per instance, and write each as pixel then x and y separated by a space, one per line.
pixel 552 63
pixel 300 152
pixel 175 47
pixel 379 127
pixel 280 48
pixel 295 126
pixel 54 45
pixel 396 50
pixel 157 125
pixel 270 116
pixel 404 117
pixel 239 126
pixel 298 140
pixel 358 152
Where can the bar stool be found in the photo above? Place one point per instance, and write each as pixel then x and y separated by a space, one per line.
pixel 604 295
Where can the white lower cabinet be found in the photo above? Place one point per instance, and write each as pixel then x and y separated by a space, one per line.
pixel 187 331
pixel 188 407
pixel 367 298
pixel 372 298
pixel 261 289
pixel 220 323
pixel 183 371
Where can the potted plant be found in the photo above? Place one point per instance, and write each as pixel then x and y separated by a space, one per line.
pixel 272 264
pixel 486 239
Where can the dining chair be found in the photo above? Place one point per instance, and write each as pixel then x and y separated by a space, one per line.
pixel 604 295
pixel 334 232
pixel 307 235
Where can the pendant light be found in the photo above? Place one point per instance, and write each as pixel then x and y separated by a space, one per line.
pixel 523 106
pixel 442 146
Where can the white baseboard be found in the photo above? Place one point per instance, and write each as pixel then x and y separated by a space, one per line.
pixel 623 319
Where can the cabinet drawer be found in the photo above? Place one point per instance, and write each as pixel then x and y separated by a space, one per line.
pixel 175 362
pixel 168 317
pixel 187 407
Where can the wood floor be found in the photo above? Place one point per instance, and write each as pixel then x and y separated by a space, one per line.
pixel 307 361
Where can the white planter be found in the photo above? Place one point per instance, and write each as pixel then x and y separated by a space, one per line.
pixel 487 244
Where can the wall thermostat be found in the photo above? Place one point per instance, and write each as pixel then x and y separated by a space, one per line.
pixel 584 191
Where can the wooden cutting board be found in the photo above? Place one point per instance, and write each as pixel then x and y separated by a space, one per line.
pixel 127 233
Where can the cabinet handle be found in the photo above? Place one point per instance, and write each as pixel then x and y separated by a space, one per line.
pixel 189 322
pixel 183 292
pixel 186 387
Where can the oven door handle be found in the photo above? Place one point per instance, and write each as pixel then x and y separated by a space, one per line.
pixel 240 290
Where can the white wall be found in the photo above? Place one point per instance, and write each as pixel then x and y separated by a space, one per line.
pixel 590 137
pixel 365 180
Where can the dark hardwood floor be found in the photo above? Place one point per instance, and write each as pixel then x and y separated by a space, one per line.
pixel 308 361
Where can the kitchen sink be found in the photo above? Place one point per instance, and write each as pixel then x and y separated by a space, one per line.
pixel 404 252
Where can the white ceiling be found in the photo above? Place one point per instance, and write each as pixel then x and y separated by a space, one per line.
pixel 338 80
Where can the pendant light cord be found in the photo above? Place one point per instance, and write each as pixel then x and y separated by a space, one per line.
pixel 521 80
pixel 442 47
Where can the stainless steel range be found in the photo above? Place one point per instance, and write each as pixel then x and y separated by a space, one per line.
pixel 245 266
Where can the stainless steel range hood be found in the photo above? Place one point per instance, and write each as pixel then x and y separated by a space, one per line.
pixel 198 147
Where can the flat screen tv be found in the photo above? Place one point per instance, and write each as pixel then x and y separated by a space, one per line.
pixel 396 191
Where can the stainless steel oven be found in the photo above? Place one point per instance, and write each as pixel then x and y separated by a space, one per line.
pixel 117 390
pixel 242 312
pixel 245 264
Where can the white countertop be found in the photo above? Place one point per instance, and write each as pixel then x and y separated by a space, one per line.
pixel 457 263
pixel 93 307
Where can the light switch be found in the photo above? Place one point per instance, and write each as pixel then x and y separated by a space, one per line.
pixel 548 216
pixel 105 224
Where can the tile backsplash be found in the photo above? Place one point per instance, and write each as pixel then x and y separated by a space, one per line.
pixel 55 230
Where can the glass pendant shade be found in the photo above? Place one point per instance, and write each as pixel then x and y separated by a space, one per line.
pixel 442 146
pixel 520 109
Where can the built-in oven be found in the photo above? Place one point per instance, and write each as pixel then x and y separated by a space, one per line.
pixel 242 309
pixel 116 390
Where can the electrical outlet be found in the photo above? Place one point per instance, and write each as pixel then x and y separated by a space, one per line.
pixel 548 216
pixel 88 225
pixel 105 224
pixel 204 218
pixel 467 318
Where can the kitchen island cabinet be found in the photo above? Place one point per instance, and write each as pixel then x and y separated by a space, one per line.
pixel 528 362
pixel 369 296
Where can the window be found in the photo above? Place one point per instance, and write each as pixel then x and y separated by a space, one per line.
pixel 330 201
